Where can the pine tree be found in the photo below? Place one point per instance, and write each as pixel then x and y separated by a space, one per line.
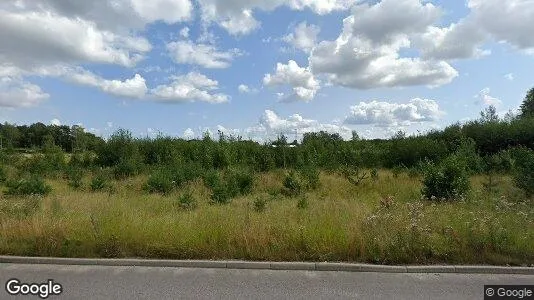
pixel 527 108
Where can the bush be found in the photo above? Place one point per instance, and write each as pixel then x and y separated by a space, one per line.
pixel 239 182
pixel 292 185
pixel 220 195
pixel 159 182
pixel 75 176
pixel 181 174
pixel 3 175
pixel 187 201
pixel 125 169
pixel 99 182
pixel 33 185
pixel 397 170
pixel 303 203
pixel 448 180
pixel 212 179
pixel 310 178
pixel 523 173
pixel 260 204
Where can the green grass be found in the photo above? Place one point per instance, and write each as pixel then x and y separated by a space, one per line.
pixel 341 222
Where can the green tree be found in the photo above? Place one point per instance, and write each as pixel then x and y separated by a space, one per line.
pixel 489 115
pixel 527 108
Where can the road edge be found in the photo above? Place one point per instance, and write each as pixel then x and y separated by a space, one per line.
pixel 256 265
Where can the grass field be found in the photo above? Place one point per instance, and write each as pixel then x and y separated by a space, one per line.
pixel 381 221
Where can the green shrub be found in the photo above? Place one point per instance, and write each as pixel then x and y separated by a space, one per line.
pixel 354 175
pixel 212 179
pixel 99 182
pixel 184 173
pixel 187 201
pixel 3 174
pixel 310 177
pixel 160 182
pixel 397 170
pixel 260 204
pixel 523 173
pixel 239 182
pixel 302 203
pixel 220 195
pixel 32 185
pixel 125 169
pixel 74 177
pixel 292 185
pixel 448 180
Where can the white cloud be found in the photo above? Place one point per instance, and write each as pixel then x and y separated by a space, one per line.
pixel 189 134
pixel 509 21
pixel 304 84
pixel 45 38
pixel 367 52
pixel 55 122
pixel 169 11
pixel 458 41
pixel 191 87
pixel 15 92
pixel 509 76
pixel 245 89
pixel 485 98
pixel 271 125
pixel 114 15
pixel 134 87
pixel 304 37
pixel 236 16
pixel 385 114
pixel 184 32
pixel 204 55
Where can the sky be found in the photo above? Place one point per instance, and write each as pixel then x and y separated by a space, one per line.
pixel 260 68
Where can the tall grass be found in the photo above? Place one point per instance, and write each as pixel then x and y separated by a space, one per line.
pixel 380 221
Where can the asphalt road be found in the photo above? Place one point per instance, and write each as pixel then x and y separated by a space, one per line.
pixel 103 282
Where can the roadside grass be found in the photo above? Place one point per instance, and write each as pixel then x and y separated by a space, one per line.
pixel 382 221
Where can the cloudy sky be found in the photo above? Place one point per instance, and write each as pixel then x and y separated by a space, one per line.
pixel 262 67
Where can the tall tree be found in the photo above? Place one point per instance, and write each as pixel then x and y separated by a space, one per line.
pixel 489 115
pixel 527 108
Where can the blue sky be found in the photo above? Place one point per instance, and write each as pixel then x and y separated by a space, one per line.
pixel 259 68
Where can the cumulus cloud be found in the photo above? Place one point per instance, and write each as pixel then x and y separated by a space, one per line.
pixel 304 37
pixel 270 125
pixel 134 87
pixel 236 16
pixel 190 87
pixel 114 15
pixel 184 32
pixel 458 41
pixel 189 134
pixel 55 122
pixel 304 84
pixel 385 114
pixel 245 89
pixel 204 55
pixel 15 92
pixel 509 76
pixel 484 98
pixel 508 21
pixel 45 38
pixel 367 52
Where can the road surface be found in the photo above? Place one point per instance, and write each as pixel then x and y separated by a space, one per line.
pixel 105 282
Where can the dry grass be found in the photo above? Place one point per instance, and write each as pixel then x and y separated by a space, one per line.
pixel 382 221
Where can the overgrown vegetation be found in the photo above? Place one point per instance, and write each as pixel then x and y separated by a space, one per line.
pixel 463 194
